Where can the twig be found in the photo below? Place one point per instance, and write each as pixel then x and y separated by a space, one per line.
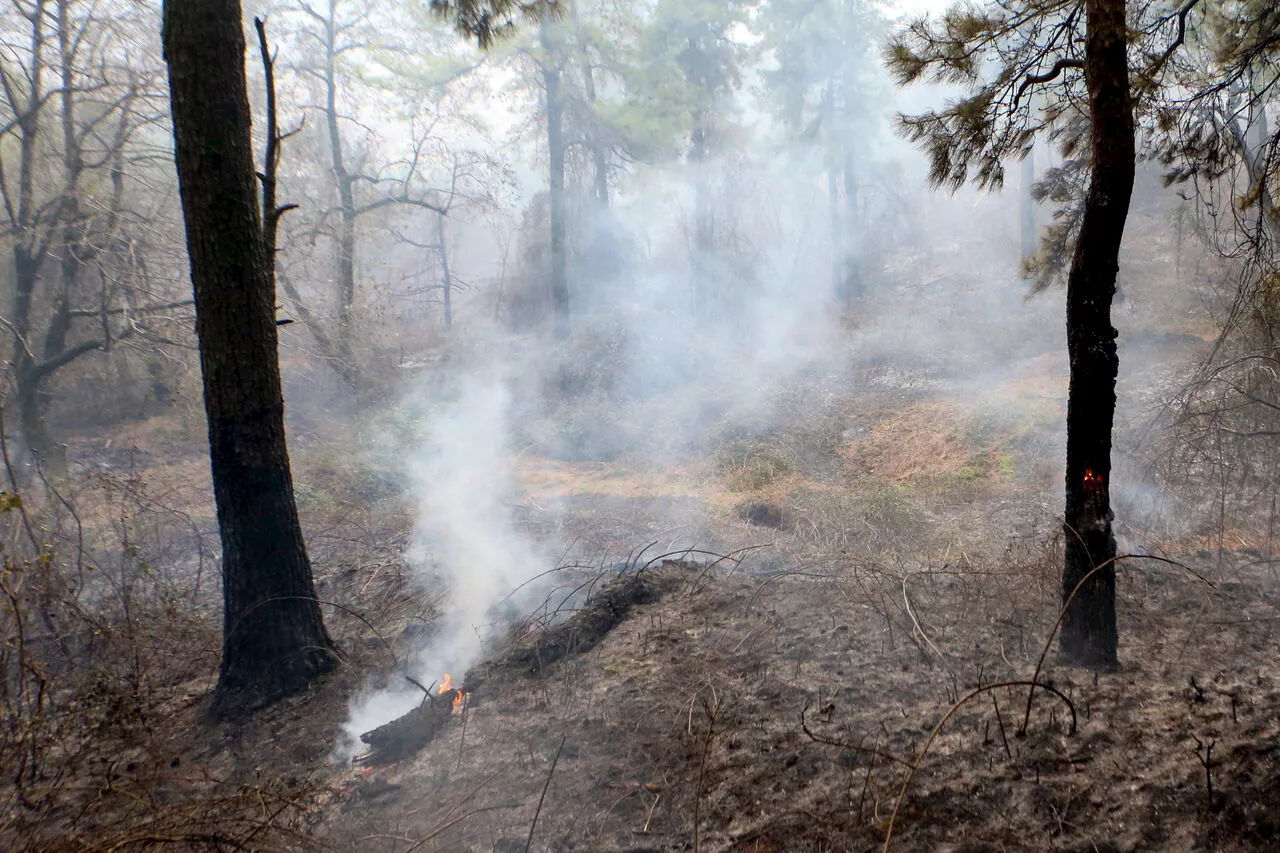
pixel 713 713
pixel 649 817
pixel 933 735
pixel 425 690
pixel 855 747
pixel 907 600
pixel 1205 754
pixel 1000 720
pixel 1067 603
pixel 462 738
pixel 1177 42
pixel 534 825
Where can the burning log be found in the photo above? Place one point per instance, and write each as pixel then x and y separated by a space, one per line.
pixel 401 738
pixel 404 736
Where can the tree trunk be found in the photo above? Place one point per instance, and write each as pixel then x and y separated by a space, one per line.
pixel 833 192
pixel 599 149
pixel 346 249
pixel 556 153
pixel 599 146
pixel 274 640
pixel 1027 206
pixel 446 281
pixel 852 226
pixel 27 375
pixel 703 225
pixel 1089 634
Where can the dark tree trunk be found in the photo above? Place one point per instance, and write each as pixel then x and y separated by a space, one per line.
pixel 556 153
pixel 274 640
pixel 27 375
pixel 1089 634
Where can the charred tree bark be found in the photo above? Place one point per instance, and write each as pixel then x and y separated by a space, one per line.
pixel 1089 635
pixel 556 154
pixel 274 640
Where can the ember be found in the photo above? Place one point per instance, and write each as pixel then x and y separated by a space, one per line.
pixel 1092 483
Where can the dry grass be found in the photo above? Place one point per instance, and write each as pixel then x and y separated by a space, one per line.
pixel 684 728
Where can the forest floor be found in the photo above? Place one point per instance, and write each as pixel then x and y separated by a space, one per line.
pixel 803 698
pixel 853 675
pixel 834 685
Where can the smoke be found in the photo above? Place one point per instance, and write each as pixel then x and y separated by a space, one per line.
pixel 673 351
pixel 465 540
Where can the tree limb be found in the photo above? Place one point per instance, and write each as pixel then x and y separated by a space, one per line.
pixel 1177 42
pixel 1051 74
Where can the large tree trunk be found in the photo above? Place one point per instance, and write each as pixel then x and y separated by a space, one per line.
pixel 556 153
pixel 1089 634
pixel 26 258
pixel 274 640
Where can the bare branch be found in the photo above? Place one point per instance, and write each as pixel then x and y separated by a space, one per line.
pixel 1036 79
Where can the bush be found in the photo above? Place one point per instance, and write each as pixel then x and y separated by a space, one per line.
pixel 748 466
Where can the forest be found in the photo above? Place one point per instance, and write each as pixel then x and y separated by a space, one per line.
pixel 628 427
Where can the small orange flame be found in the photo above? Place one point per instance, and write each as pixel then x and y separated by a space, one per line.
pixel 1092 482
pixel 459 698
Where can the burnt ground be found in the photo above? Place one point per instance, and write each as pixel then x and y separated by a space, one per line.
pixel 785 713
pixel 894 561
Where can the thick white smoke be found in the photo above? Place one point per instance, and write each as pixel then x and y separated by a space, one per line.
pixel 465 540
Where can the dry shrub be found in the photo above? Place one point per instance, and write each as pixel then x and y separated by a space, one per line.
pixel 871 515
pixel 105 651
pixel 749 465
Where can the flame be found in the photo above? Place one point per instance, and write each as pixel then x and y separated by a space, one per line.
pixel 459 698
pixel 1092 483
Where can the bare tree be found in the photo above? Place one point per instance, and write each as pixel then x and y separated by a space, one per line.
pixel 76 101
